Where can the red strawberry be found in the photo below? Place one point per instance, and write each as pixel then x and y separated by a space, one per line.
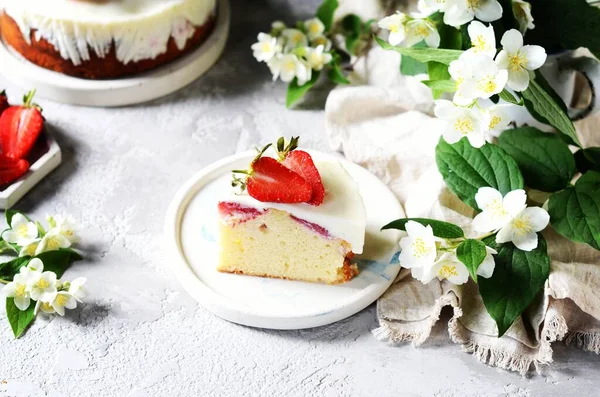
pixel 269 181
pixel 11 169
pixel 20 127
pixel 302 163
pixel 272 182
pixel 3 102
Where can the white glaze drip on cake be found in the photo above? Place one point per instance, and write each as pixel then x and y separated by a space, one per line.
pixel 342 213
pixel 140 29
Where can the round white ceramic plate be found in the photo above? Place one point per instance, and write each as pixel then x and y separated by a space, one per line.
pixel 192 234
pixel 119 92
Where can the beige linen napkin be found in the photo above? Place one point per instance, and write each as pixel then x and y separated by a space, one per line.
pixel 386 128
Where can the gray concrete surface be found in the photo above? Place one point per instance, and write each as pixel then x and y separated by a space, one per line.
pixel 140 334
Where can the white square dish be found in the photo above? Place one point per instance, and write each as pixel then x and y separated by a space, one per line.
pixel 44 158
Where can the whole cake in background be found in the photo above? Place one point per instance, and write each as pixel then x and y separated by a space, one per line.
pixel 105 39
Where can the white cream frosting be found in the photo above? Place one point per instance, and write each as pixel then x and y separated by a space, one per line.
pixel 342 213
pixel 140 29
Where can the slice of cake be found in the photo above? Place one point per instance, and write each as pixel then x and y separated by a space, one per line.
pixel 101 39
pixel 296 241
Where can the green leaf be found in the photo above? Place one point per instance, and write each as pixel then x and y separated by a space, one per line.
pixel 10 268
pixel 588 159
pixel 471 253
pixel 518 277
pixel 19 320
pixel 546 162
pixel 295 92
pixel 440 229
pixel 465 169
pixel 466 39
pixel 438 71
pixel 4 246
pixel 59 261
pixel 411 67
pixel 542 102
pixel 541 80
pixel 325 12
pixel 76 256
pixel 351 44
pixel 575 211
pixel 15 247
pixel 352 23
pixel 423 54
pixel 565 24
pixel 352 26
pixel 441 85
pixel 336 75
pixel 510 98
pixel 450 37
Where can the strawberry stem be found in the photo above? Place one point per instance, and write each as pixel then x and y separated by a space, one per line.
pixel 242 182
pixel 283 150
pixel 280 144
pixel 28 100
pixel 260 153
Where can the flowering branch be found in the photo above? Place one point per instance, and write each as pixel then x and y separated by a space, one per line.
pixel 298 54
pixel 488 165
pixel 32 278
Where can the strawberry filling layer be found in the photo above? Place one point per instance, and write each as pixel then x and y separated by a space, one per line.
pixel 237 213
pixel 312 226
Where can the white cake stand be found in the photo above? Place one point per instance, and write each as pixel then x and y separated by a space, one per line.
pixel 127 91
pixel 191 233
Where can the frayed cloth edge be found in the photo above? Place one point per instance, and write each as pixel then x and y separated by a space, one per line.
pixel 555 329
pixel 386 332
pixel 589 341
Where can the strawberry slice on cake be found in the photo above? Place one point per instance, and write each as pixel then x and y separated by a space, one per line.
pixel 295 219
pixel 302 163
